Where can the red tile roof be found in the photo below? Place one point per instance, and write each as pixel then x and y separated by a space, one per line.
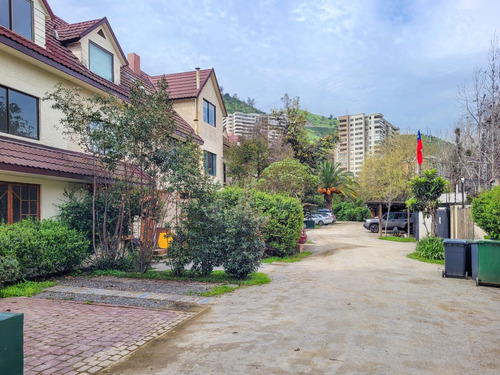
pixel 233 139
pixel 60 57
pixel 183 85
pixel 75 30
pixel 24 156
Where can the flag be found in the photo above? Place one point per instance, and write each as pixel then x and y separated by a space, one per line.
pixel 419 149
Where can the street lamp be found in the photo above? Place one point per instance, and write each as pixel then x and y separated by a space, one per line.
pixel 463 195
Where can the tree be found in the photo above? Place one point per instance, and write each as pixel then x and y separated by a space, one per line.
pixel 486 211
pixel 426 190
pixel 288 176
pixel 385 173
pixel 292 120
pixel 247 161
pixel 333 179
pixel 477 134
pixel 132 144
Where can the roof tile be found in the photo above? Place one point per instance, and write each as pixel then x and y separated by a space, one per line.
pixel 183 85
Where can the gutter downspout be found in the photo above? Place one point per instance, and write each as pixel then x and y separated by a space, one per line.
pixel 196 109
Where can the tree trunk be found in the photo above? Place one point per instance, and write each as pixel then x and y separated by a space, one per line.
pixel 328 201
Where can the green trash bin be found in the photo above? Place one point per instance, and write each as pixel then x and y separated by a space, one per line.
pixel 11 343
pixel 310 224
pixel 488 261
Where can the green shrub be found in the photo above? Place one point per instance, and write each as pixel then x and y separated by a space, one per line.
pixel 215 233
pixel 350 211
pixel 283 216
pixel 486 212
pixel 431 248
pixel 9 269
pixel 43 247
pixel 245 244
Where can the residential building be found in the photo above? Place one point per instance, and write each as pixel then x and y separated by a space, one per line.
pixel 39 50
pixel 197 99
pixel 358 137
pixel 246 124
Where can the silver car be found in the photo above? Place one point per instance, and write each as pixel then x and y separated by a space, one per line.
pixel 397 219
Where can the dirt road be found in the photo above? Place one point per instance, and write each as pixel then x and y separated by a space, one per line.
pixel 358 305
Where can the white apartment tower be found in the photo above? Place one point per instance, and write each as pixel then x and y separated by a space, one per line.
pixel 358 136
pixel 244 124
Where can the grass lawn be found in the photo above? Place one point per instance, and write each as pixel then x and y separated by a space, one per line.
pixel 25 289
pixel 416 256
pixel 289 259
pixel 398 239
pixel 219 277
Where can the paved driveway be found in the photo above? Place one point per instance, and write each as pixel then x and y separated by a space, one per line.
pixel 358 305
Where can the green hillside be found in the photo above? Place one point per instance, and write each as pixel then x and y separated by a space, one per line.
pixel 318 126
pixel 322 121
pixel 235 104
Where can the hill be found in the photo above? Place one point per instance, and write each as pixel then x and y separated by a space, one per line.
pixel 318 125
pixel 235 104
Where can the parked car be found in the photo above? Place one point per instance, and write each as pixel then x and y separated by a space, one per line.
pixel 397 219
pixel 321 219
pixel 328 214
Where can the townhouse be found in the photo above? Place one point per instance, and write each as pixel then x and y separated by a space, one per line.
pixel 39 50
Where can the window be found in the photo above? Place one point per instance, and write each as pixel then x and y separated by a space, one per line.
pixel 18 113
pixel 208 112
pixel 17 15
pixel 101 61
pixel 18 202
pixel 211 163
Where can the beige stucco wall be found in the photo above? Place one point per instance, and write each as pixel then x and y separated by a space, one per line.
pixel 22 76
pixel 51 190
pixel 192 109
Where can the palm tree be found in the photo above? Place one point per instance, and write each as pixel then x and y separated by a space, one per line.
pixel 334 179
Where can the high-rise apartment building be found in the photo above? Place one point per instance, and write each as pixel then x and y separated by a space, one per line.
pixel 358 136
pixel 246 124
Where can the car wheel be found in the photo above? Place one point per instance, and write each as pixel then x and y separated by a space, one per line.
pixel 374 228
pixel 320 223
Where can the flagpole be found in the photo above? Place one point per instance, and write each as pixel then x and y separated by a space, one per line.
pixel 419 154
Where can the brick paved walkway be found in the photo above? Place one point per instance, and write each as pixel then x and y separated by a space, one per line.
pixel 62 337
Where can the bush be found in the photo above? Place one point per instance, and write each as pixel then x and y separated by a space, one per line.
pixel 244 242
pixel 486 212
pixel 42 247
pixel 9 269
pixel 216 233
pixel 350 211
pixel 431 248
pixel 284 218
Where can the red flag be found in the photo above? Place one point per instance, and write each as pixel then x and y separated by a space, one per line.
pixel 419 149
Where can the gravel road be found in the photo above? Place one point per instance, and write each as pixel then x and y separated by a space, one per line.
pixel 358 305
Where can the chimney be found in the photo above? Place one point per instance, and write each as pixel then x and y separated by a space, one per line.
pixel 134 62
pixel 197 78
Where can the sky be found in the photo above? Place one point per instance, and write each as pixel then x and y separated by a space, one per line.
pixel 405 59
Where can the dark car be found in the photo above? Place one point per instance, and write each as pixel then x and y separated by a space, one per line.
pixel 397 219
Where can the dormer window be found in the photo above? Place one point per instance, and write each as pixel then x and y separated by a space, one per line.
pixel 17 15
pixel 100 61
